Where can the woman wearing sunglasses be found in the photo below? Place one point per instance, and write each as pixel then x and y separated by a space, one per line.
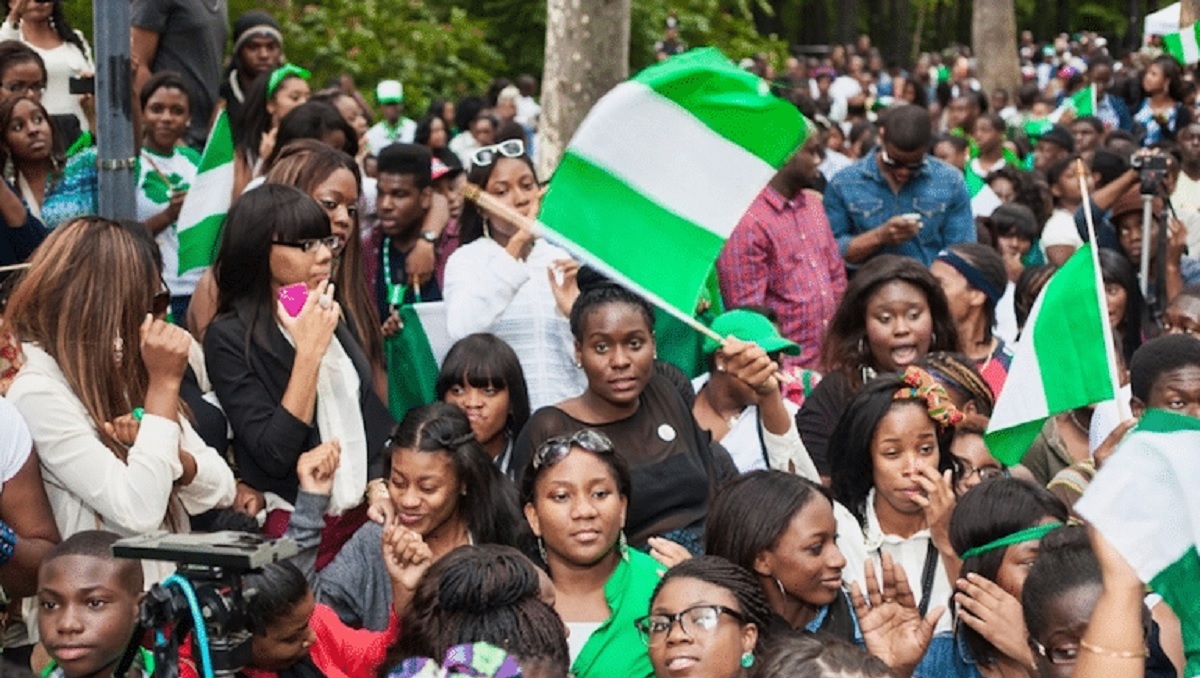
pixel 707 618
pixel 576 492
pixel 87 380
pixel 504 280
pixel 292 378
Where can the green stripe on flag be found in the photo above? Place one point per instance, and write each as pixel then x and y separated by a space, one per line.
pixel 1058 333
pixel 1184 44
pixel 1009 445
pixel 662 257
pixel 724 98
pixel 198 244
pixel 1084 100
pixel 1179 585
pixel 1165 421
pixel 412 367
pixel 218 150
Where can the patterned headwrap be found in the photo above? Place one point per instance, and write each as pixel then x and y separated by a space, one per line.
pixel 921 385
pixel 476 660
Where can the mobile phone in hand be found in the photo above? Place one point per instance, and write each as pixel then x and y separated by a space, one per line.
pixel 293 297
pixel 913 216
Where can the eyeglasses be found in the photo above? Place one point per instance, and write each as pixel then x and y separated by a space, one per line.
pixel 311 245
pixel 892 163
pixel 553 450
pixel 963 471
pixel 696 620
pixel 512 148
pixel 35 88
pixel 1066 654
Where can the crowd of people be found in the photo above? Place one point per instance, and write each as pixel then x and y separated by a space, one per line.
pixel 590 492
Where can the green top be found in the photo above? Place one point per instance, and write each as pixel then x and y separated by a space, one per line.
pixel 616 649
pixel 143 665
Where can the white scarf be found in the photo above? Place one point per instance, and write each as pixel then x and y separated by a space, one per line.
pixel 339 417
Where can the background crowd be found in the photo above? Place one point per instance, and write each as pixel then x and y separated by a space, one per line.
pixel 594 489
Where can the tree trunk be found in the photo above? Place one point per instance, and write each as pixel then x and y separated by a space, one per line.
pixel 587 54
pixel 1189 12
pixel 994 41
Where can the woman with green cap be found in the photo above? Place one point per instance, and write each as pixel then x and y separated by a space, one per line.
pixel 751 418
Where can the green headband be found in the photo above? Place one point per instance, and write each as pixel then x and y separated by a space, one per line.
pixel 280 74
pixel 1028 534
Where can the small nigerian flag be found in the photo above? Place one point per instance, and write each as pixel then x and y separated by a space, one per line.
pixel 662 169
pixel 1084 101
pixel 208 200
pixel 1062 361
pixel 415 354
pixel 1146 501
pixel 1183 45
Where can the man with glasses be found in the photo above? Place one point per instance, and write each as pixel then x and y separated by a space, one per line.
pixel 896 199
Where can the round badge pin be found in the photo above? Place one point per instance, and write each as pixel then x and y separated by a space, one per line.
pixel 666 432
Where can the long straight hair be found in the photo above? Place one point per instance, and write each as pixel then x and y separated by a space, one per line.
pixel 305 163
pixel 87 291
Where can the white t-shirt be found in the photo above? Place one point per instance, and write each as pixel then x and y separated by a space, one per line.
pixel 157 176
pixel 1060 230
pixel 15 442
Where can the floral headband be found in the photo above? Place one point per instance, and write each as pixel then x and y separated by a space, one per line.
pixel 920 385
pixel 476 660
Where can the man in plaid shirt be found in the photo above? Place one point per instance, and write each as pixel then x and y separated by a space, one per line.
pixel 783 256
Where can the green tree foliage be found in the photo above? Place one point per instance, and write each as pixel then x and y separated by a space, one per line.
pixel 726 24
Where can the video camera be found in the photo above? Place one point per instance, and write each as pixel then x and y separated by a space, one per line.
pixel 204 597
pixel 1152 171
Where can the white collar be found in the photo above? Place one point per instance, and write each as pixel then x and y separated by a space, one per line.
pixel 873 536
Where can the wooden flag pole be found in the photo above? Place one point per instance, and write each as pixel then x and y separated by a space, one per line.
pixel 14 267
pixel 490 204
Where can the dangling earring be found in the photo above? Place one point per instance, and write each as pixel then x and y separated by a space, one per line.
pixel 933 337
pixel 780 585
pixel 487 228
pixel 623 546
pixel 542 551
pixel 747 660
pixel 862 346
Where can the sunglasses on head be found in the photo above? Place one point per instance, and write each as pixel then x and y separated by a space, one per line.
pixel 553 450
pixel 891 162
pixel 512 148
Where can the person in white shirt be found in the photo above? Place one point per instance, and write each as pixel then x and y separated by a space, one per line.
pixel 394 127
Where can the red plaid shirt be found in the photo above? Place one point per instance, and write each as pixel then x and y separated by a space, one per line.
pixel 782 255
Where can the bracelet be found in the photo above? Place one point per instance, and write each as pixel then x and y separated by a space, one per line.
pixel 376 487
pixel 1115 654
pixel 8 543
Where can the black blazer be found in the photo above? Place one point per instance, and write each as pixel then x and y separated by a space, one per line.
pixel 249 379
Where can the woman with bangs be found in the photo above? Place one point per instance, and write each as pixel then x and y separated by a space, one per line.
pixel 86 383
pixel 482 377
pixel 292 380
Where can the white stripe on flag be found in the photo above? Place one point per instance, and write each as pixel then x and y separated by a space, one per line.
pixel 1032 404
pixel 433 321
pixel 650 158
pixel 1187 40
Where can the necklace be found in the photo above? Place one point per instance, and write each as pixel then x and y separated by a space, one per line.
pixel 1075 420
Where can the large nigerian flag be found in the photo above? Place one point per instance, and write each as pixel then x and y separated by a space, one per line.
pixel 207 201
pixel 1062 361
pixel 1184 45
pixel 1146 501
pixel 663 167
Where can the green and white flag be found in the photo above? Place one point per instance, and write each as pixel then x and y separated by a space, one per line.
pixel 1146 502
pixel 204 208
pixel 415 354
pixel 1184 45
pixel 1063 361
pixel 984 200
pixel 1082 103
pixel 662 169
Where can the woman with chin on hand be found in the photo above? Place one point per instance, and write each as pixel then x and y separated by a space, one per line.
pixel 82 378
pixel 292 379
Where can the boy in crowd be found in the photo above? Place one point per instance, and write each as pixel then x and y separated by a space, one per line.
pixel 88 607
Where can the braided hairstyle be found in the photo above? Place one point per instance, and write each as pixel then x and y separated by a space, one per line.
pixel 487 593
pixel 751 602
pixel 489 500
pixel 957 373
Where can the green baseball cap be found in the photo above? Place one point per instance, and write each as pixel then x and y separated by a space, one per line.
pixel 750 326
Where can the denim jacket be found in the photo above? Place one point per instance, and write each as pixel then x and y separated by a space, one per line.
pixel 859 199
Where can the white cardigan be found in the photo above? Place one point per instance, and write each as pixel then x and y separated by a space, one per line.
pixel 487 290
pixel 90 488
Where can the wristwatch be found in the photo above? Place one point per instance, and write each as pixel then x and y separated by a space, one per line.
pixel 429 237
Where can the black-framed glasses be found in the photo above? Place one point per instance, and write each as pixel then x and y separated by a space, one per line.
pixel 311 245
pixel 963 471
pixel 511 148
pixel 1064 655
pixel 895 164
pixel 553 450
pixel 697 619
